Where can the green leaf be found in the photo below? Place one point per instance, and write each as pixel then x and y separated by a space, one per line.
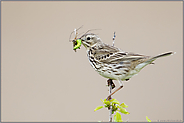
pixel 107 102
pixel 102 100
pixel 97 108
pixel 120 108
pixel 112 112
pixel 148 119
pixel 124 105
pixel 117 117
pixel 106 106
pixel 114 107
pixel 111 100
pixel 124 111
pixel 114 101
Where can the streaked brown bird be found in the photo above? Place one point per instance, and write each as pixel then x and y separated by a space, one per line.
pixel 113 63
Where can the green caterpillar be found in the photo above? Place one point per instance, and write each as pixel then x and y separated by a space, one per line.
pixel 77 44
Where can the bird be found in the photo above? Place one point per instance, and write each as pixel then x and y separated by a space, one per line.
pixel 113 63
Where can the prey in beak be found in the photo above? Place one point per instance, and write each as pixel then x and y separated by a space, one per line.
pixel 76 41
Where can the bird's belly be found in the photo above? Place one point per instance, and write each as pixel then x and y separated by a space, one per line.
pixel 130 74
pixel 108 75
pixel 112 75
pixel 120 75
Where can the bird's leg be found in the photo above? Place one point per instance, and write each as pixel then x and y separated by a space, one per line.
pixel 111 85
pixel 110 82
pixel 114 92
pixel 121 85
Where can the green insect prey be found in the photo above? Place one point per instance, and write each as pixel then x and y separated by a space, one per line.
pixel 77 44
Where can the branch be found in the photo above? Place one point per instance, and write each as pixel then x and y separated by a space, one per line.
pixel 110 84
pixel 113 39
pixel 110 111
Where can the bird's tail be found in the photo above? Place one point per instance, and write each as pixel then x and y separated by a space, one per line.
pixel 161 55
pixel 151 59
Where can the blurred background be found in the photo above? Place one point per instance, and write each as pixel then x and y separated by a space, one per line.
pixel 44 80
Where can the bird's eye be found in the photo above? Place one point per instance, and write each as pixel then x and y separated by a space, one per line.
pixel 88 38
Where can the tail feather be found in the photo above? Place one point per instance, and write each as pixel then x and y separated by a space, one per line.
pixel 158 56
pixel 163 55
pixel 149 61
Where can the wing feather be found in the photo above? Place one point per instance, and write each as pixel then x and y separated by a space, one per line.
pixel 110 54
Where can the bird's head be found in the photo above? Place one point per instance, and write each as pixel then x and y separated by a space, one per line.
pixel 89 40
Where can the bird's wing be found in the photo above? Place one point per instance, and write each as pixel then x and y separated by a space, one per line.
pixel 110 54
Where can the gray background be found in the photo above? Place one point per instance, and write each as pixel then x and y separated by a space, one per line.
pixel 43 79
